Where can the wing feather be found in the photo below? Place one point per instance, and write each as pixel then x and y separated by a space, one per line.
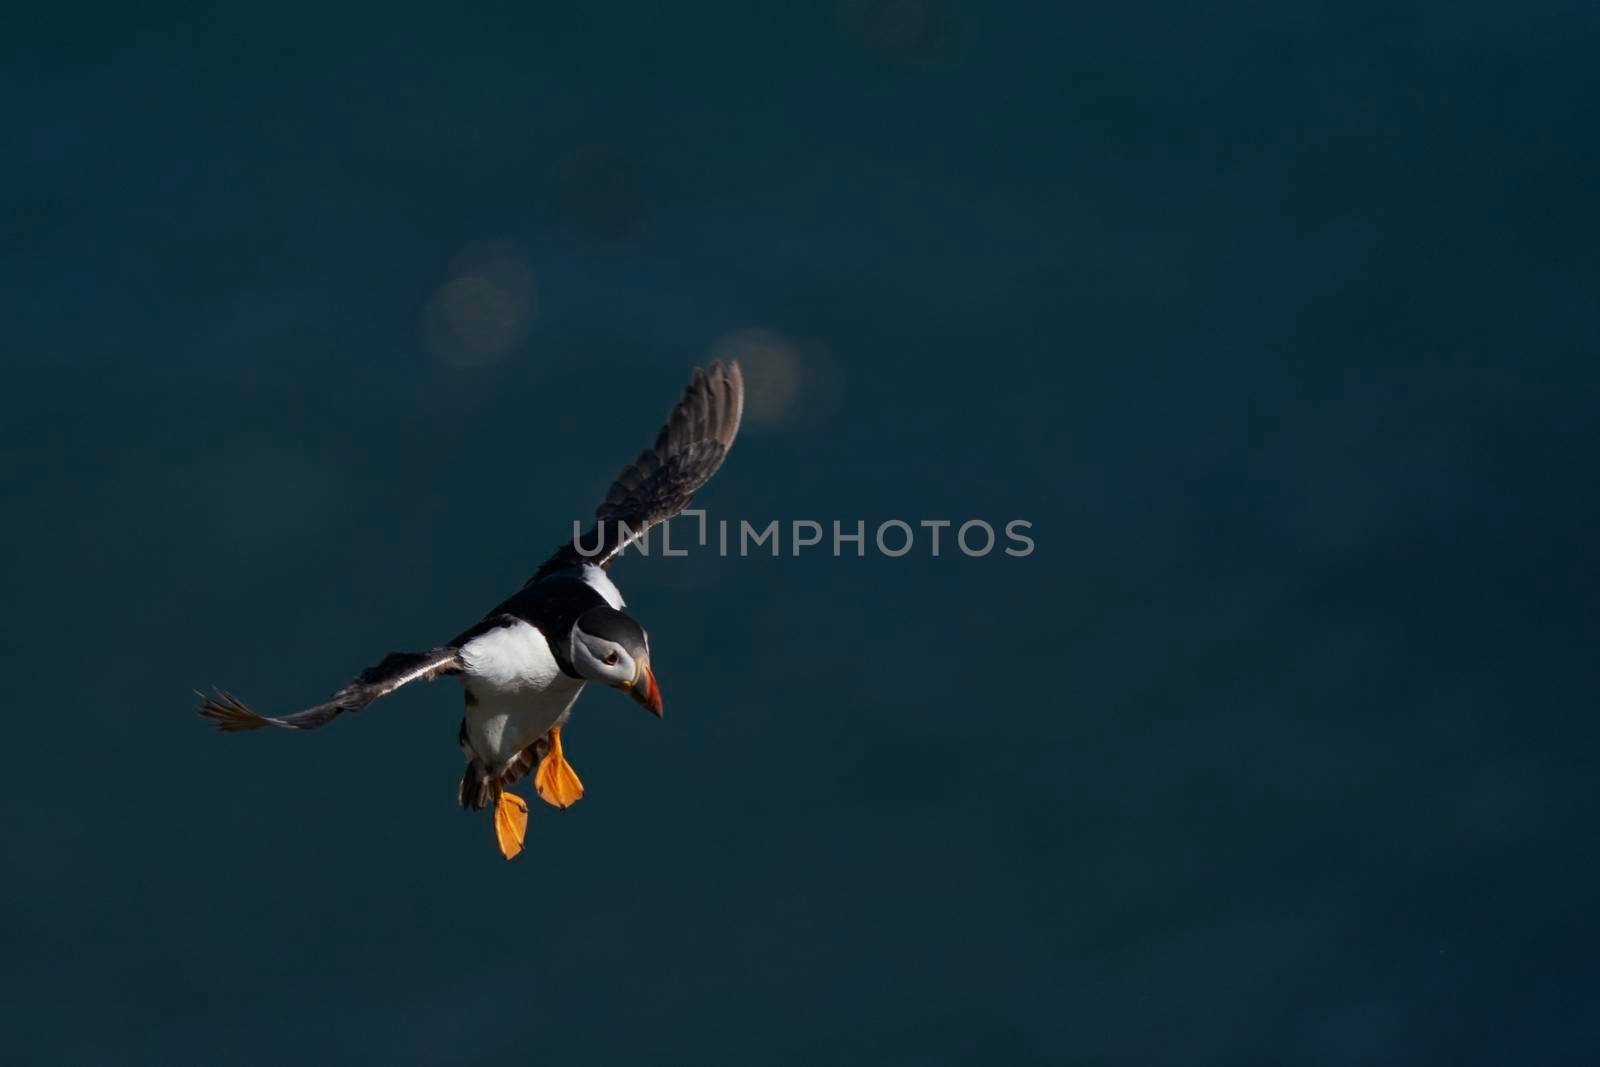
pixel 397 669
pixel 659 484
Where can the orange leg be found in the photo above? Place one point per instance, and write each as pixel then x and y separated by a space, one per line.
pixel 555 781
pixel 510 822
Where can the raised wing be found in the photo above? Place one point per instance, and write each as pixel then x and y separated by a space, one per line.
pixel 397 669
pixel 665 477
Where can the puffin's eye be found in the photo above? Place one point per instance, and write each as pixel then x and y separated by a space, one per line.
pixel 611 659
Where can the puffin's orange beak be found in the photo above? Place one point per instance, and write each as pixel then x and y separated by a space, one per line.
pixel 644 689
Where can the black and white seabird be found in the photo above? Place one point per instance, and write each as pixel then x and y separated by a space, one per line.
pixel 524 665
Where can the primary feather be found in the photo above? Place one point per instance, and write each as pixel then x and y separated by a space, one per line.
pixel 664 478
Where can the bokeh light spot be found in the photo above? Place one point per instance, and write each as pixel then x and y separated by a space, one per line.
pixel 483 309
pixel 772 373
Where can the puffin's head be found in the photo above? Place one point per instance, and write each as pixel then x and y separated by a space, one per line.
pixel 610 648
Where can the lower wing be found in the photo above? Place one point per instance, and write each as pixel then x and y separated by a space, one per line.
pixel 396 670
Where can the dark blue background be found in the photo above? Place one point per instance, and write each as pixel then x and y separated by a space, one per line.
pixel 1276 320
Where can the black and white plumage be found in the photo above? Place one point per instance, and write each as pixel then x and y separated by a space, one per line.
pixel 525 664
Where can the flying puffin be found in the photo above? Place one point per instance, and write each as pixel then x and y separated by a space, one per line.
pixel 524 665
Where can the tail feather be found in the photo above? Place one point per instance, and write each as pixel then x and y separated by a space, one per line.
pixel 477 787
pixel 478 783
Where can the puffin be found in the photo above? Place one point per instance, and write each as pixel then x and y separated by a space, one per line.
pixel 524 665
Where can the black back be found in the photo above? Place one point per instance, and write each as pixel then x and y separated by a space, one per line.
pixel 552 604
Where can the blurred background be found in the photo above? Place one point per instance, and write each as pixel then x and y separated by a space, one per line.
pixel 1277 321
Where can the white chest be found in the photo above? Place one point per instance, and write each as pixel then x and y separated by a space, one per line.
pixel 508 658
pixel 516 691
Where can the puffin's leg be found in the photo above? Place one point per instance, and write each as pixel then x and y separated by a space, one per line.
pixel 555 781
pixel 510 821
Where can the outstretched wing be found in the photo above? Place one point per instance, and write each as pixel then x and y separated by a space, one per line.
pixel 397 669
pixel 665 477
